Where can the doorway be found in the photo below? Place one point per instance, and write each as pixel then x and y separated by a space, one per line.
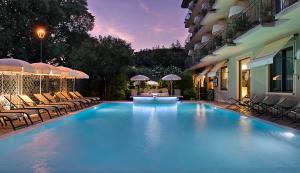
pixel 244 78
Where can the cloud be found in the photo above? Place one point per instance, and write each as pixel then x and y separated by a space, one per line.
pixel 144 6
pixel 109 28
pixel 157 29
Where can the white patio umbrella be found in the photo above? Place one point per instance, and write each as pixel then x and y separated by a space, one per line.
pixel 80 75
pixel 171 78
pixel 45 69
pixel 152 83
pixel 14 66
pixel 139 78
pixel 67 73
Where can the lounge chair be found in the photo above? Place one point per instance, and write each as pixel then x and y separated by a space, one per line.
pixel 11 117
pixel 16 102
pixel 294 112
pixel 42 99
pixel 232 102
pixel 82 103
pixel 281 107
pixel 29 113
pixel 74 96
pixel 267 103
pixel 81 96
pixel 52 99
pixel 29 102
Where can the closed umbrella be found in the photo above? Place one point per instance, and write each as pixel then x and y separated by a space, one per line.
pixel 171 78
pixel 45 69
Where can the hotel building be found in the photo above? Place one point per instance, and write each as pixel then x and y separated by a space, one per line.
pixel 239 48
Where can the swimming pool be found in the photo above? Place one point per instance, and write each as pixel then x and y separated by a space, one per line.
pixel 158 138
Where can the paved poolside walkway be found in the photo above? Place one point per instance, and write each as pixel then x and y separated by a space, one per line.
pixel 267 116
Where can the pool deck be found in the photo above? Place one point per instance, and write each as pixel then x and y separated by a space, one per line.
pixel 7 130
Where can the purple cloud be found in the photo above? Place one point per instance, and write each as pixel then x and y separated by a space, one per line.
pixel 144 23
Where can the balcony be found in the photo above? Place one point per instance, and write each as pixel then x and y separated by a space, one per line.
pixel 258 12
pixel 241 30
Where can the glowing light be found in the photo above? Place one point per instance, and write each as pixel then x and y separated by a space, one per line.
pixel 289 134
pixel 41 32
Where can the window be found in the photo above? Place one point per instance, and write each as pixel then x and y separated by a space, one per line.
pixel 224 78
pixel 281 71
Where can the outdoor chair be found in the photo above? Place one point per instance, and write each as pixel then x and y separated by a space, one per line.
pixel 281 108
pixel 29 102
pixel 52 99
pixel 294 113
pixel 74 96
pixel 81 96
pixel 16 102
pixel 268 102
pixel 12 117
pixel 42 99
pixel 30 114
pixel 64 97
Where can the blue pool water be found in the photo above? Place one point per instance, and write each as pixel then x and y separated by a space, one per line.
pixel 153 138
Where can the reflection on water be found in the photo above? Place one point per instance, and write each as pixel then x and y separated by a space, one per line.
pixel 152 114
pixel 200 118
pixel 153 130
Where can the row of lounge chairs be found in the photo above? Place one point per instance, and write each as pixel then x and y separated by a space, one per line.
pixel 276 107
pixel 25 109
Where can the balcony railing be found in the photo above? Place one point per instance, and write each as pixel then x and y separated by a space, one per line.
pixel 257 12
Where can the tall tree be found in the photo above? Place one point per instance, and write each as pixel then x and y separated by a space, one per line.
pixel 67 23
pixel 105 59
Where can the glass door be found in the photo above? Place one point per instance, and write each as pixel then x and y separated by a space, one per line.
pixel 244 78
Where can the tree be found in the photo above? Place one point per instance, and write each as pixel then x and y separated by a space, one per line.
pixel 106 59
pixel 67 24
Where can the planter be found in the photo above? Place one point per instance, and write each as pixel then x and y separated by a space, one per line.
pixel 265 19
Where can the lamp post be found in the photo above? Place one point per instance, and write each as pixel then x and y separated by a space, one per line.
pixel 41 32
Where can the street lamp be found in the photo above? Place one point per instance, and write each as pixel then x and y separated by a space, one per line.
pixel 41 32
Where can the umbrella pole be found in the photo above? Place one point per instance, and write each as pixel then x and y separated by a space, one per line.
pixel 40 84
pixel 74 84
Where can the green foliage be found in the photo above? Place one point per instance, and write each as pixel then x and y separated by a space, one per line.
pixel 187 86
pixel 118 88
pixel 174 56
pixel 156 72
pixel 106 59
pixel 67 23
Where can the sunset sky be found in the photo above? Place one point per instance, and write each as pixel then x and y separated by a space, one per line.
pixel 144 23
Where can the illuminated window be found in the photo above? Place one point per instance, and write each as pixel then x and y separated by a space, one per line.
pixel 224 78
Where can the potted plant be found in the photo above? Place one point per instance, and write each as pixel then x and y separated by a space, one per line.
pixel 266 15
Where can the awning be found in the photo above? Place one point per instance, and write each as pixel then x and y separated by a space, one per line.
pixel 266 55
pixel 213 71
pixel 204 72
